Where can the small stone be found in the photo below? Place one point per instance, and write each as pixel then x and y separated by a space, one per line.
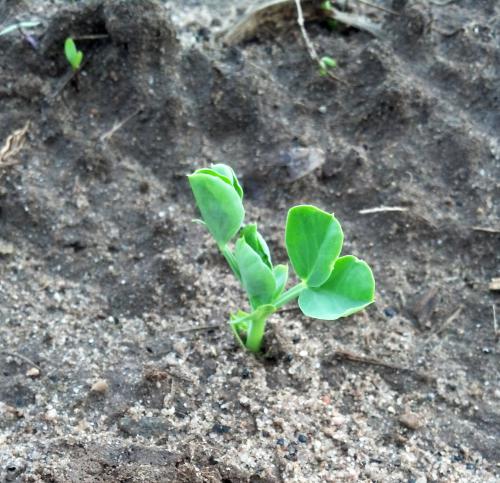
pixel 6 248
pixel 389 312
pixel 100 386
pixel 338 420
pixel 33 372
pixel 245 373
pixel 411 420
pixel 322 109
pixel 51 415
pixel 302 438
pixel 220 428
pixel 280 442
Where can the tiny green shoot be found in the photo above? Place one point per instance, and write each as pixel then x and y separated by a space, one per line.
pixel 325 64
pixel 73 56
pixel 330 286
pixel 326 5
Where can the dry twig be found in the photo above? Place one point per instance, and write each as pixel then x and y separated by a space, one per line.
pixel 21 357
pixel 118 125
pixel 495 325
pixel 196 329
pixel 381 209
pixel 486 229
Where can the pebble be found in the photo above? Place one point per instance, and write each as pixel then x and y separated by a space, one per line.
pixel 411 420
pixel 389 312
pixel 220 428
pixel 302 438
pixel 33 372
pixel 100 386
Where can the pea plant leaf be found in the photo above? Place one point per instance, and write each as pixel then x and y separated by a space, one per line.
pixel 219 203
pixel 226 173
pixel 73 56
pixel 257 242
pixel 313 241
pixel 256 277
pixel 349 288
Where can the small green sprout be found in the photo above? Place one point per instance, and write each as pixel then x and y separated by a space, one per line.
pixel 73 56
pixel 326 5
pixel 325 64
pixel 330 286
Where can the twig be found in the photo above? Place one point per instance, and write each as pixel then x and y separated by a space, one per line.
pixel 378 7
pixel 448 321
pixel 486 229
pixel 441 3
pixel 353 357
pixel 20 356
pixel 92 37
pixel 495 325
pixel 440 329
pixel 107 135
pixel 195 329
pixel 309 45
pixel 381 209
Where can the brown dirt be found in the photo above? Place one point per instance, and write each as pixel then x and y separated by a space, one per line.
pixel 102 272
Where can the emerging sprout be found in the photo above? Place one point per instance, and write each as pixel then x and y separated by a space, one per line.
pixel 73 56
pixel 330 286
pixel 325 64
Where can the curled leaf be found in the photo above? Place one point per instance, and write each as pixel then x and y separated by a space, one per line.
pixel 219 203
pixel 313 241
pixel 257 278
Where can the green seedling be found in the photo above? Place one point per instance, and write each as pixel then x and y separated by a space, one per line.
pixel 325 64
pixel 326 5
pixel 330 286
pixel 73 56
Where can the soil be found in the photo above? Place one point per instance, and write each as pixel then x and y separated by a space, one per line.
pixel 116 362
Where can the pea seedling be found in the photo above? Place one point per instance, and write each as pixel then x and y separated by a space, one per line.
pixel 330 286
pixel 73 56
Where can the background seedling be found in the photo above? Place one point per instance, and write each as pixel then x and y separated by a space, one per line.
pixel 330 286
pixel 325 64
pixel 73 56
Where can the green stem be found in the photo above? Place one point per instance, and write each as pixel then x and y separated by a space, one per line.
pixel 289 295
pixel 255 333
pixel 231 260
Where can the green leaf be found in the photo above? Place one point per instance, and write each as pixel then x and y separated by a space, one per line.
pixel 313 242
pixel 256 277
pixel 280 273
pixel 257 242
pixel 219 203
pixel 350 288
pixel 73 56
pixel 226 173
pixel 328 63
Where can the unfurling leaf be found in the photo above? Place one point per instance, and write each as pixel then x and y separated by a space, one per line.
pixel 257 278
pixel 313 242
pixel 219 201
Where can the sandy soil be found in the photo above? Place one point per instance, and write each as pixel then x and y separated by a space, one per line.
pixel 116 363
